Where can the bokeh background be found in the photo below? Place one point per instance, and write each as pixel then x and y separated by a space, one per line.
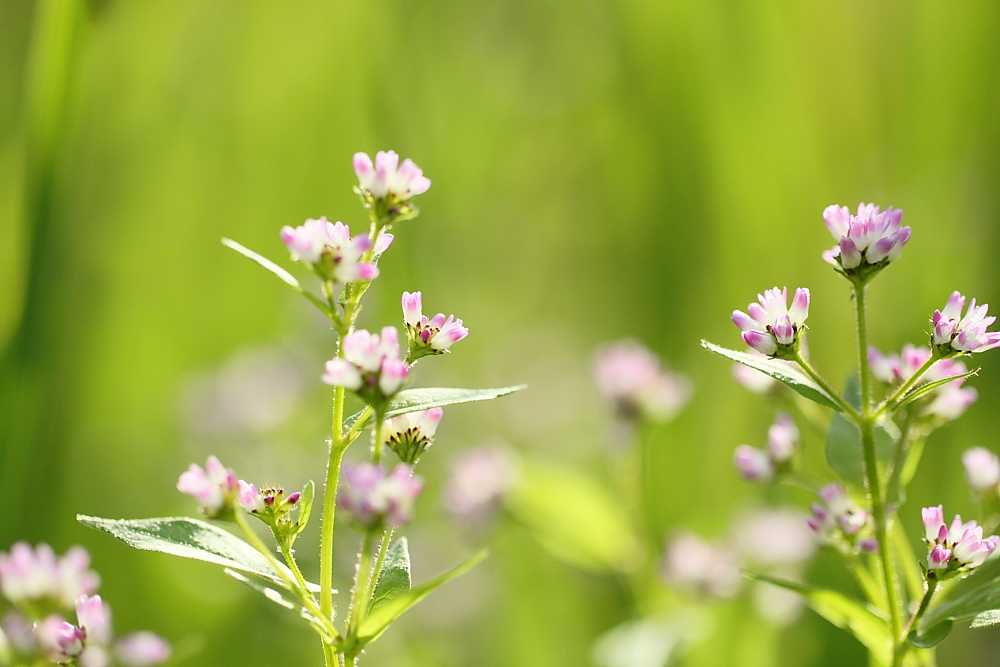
pixel 600 169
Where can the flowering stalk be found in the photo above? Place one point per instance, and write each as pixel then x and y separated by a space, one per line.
pixel 889 404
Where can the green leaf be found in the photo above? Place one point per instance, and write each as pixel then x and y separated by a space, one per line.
pixel 925 389
pixel 844 451
pixel 976 599
pixel 283 275
pixel 782 371
pixel 576 519
pixel 305 506
pixel 395 577
pixel 189 538
pixel 932 637
pixel 412 400
pixel 372 627
pixel 861 620
pixel 277 597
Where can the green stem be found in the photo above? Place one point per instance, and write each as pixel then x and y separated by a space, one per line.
pixel 376 571
pixel 902 646
pixel 867 426
pixel 361 579
pixel 377 438
pixel 294 567
pixel 330 656
pixel 900 392
pixel 826 386
pixel 899 458
pixel 330 505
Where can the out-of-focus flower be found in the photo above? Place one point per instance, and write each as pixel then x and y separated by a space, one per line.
pixel 410 434
pixel 632 379
pixel 758 465
pixel 479 481
pixel 388 178
pixel 330 251
pixel 61 640
pixel 955 549
pixel 38 576
pixel 696 564
pixel 142 649
pixel 270 502
pixel 866 242
pixel 955 334
pixel 752 379
pixel 429 336
pixel 944 403
pixel 774 538
pixel 215 486
pixel 771 327
pixel 371 365
pixel 837 518
pixel 376 500
pixel 19 633
pixel 982 469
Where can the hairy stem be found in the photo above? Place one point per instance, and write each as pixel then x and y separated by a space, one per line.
pixel 377 438
pixel 872 481
pixel 361 579
pixel 900 392
pixel 376 571
pixel 826 386
pixel 330 505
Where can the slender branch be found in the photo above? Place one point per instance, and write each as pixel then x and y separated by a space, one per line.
pixel 294 567
pixel 355 430
pixel 902 646
pixel 899 454
pixel 361 578
pixel 376 573
pixel 330 505
pixel 901 391
pixel 377 438
pixel 826 386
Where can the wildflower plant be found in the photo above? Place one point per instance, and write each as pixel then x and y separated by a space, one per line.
pixel 874 440
pixel 379 500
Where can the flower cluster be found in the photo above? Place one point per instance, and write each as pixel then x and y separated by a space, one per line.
pixel 954 334
pixel 371 365
pixel 955 549
pixel 866 242
pixel 632 379
pixel 702 567
pixel 944 403
pixel 376 500
pixel 982 470
pixel 42 586
pixel 429 336
pixel 386 186
pixel 331 252
pixel 215 486
pixel 771 327
pixel 837 520
pixel 410 434
pixel 480 479
pixel 760 465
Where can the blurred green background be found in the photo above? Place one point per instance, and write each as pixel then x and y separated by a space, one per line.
pixel 600 169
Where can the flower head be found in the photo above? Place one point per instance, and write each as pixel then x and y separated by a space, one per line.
pixel 771 327
pixel 955 549
pixel 38 576
pixel 759 465
pixel 387 178
pixel 837 519
pixel 371 365
pixel 982 469
pixel 331 252
pixel 866 242
pixel 215 486
pixel 376 500
pixel 429 336
pixel 693 563
pixel 953 333
pixel 774 538
pixel 632 379
pixel 410 434
pixel 479 481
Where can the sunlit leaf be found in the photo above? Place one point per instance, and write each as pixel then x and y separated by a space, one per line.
pixel 189 538
pixel 276 597
pixel 283 275
pixel 977 599
pixel 861 620
pixel 782 371
pixel 394 579
pixel 412 400
pixel 575 518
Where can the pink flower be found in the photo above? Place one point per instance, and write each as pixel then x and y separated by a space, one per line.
pixel 632 379
pixel 693 563
pixel 982 469
pixel 95 618
pixel 771 327
pixel 142 649
pixel 872 238
pixel 753 464
pixel 963 334
pixel 945 403
pixel 376 500
pixel 410 434
pixel 214 486
pixel 371 365
pixel 837 518
pixel 38 575
pixel 249 498
pixel 479 481
pixel 759 465
pixel 429 336
pixel 774 538
pixel 389 178
pixel 61 640
pixel 955 549
pixel 782 439
pixel 330 250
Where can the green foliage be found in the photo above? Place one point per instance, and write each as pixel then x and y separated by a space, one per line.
pixel 305 506
pixel 978 601
pixel 781 371
pixel 412 400
pixel 844 452
pixel 394 579
pixel 575 518
pixel 189 538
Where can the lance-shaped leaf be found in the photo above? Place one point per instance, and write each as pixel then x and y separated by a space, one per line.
pixel 379 619
pixel 861 620
pixel 283 275
pixel 394 579
pixel 575 518
pixel 190 538
pixel 305 506
pixel 412 400
pixel 925 389
pixel 977 600
pixel 782 371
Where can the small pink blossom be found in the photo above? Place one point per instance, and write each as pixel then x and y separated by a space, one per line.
pixel 214 486
pixel 982 469
pixel 693 563
pixel 250 498
pixel 770 326
pixel 37 575
pixel 480 479
pixel 955 549
pixel 142 649
pixel 869 239
pixel 963 334
pixel 837 518
pixel 410 434
pixel 946 402
pixel 782 439
pixel 632 379
pixel 331 251
pixel 61 640
pixel 371 365
pixel 754 464
pixel 386 177
pixel 429 336
pixel 377 500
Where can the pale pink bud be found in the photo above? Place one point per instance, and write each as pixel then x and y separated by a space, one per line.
pixel 933 518
pixel 953 309
pixel 249 498
pixel 760 341
pixel 412 308
pixel 938 558
pixel 95 617
pixel 479 481
pixel 62 641
pixel 365 170
pixel 142 649
pixel 837 219
pixel 800 307
pixel 753 464
pixel 744 321
pixel 451 332
pixel 782 439
pixel 392 376
pixel 783 331
pixel 692 562
pixel 958 528
pixel 342 373
pixel 982 469
pixel 850 256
